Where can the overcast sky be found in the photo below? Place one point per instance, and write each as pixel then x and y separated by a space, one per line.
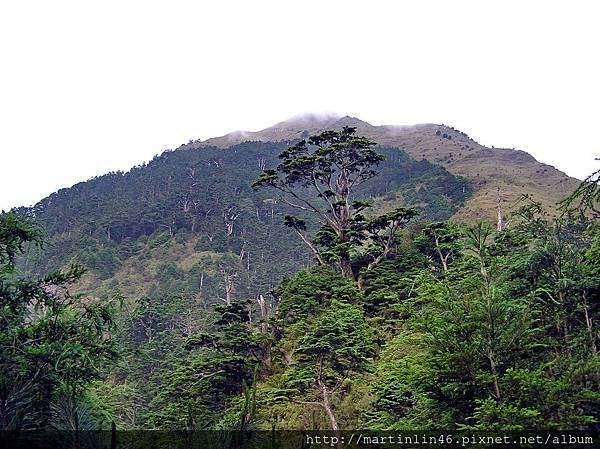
pixel 90 87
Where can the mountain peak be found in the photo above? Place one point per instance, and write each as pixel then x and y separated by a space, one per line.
pixel 293 128
pixel 351 121
pixel 309 120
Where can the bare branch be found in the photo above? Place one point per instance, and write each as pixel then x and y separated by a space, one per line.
pixel 312 247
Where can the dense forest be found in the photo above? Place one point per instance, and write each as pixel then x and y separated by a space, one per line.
pixel 301 285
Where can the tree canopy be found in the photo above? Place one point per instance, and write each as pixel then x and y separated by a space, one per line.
pixel 320 176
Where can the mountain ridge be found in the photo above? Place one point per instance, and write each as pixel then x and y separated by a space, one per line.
pixel 494 172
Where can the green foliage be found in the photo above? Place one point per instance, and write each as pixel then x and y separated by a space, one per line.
pixel 15 231
pixel 339 339
pixel 52 343
pixel 335 346
pixel 503 339
pixel 586 198
pixel 397 404
pixel 440 325
pixel 321 176
pixel 440 243
pixel 311 291
pixel 214 367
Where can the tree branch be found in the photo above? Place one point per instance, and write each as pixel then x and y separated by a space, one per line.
pixel 312 247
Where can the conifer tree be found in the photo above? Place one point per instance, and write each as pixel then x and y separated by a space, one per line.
pixel 52 343
pixel 319 176
pixel 338 344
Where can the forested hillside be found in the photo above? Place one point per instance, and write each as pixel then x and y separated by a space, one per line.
pixel 309 284
pixel 202 200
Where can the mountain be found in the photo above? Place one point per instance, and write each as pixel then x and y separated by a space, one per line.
pixel 192 214
pixel 186 232
pixel 224 321
pixel 198 199
pixel 513 172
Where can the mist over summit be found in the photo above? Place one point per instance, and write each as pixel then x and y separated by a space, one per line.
pixel 513 172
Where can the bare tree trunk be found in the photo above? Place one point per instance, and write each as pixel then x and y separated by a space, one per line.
pixel 327 405
pixel 230 215
pixel 312 247
pixel 346 267
pixel 589 325
pixel 266 310
pixel 439 251
pixel 360 282
pixel 229 286
pixel 495 375
pixel 287 358
pixel 500 225
pixel 264 313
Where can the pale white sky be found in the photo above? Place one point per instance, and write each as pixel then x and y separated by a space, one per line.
pixel 90 87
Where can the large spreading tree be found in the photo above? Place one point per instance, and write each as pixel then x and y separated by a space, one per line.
pixel 319 176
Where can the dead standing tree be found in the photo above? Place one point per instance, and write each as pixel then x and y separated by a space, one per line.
pixel 228 285
pixel 268 310
pixel 230 215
